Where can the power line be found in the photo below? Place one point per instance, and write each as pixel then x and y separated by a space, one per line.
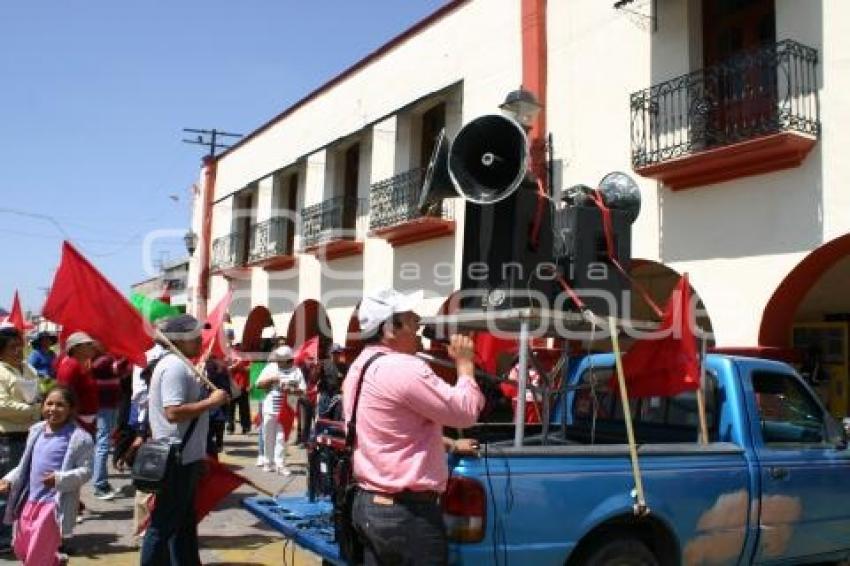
pixel 209 138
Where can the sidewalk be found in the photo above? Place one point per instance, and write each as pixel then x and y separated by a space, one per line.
pixel 229 535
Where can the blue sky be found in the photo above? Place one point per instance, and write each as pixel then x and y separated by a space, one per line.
pixel 94 96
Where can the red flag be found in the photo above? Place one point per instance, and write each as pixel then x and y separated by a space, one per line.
pixel 308 350
pixel 83 299
pixel 16 317
pixel 214 341
pixel 286 416
pixel 217 483
pixel 488 348
pixel 666 366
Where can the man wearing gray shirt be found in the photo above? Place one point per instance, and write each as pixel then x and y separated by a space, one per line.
pixel 176 399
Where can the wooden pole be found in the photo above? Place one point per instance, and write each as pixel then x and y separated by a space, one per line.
pixel 163 339
pixel 640 505
pixel 703 423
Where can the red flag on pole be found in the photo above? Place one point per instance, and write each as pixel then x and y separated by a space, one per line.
pixel 213 337
pixel 16 317
pixel 217 483
pixel 286 417
pixel 81 298
pixel 307 350
pixel 666 366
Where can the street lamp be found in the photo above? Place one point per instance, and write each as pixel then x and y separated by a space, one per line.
pixel 191 241
pixel 523 105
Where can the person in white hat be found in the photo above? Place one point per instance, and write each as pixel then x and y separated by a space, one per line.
pixel 401 408
pixel 285 383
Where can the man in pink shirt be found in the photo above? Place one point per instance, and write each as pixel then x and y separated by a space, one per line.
pixel 399 459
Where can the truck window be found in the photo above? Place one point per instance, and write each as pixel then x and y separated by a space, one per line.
pixel 788 413
pixel 598 414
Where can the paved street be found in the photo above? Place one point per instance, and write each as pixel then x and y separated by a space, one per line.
pixel 229 535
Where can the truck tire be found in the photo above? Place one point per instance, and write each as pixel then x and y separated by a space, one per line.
pixel 622 551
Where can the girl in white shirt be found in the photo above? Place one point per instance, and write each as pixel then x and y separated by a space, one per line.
pixel 284 383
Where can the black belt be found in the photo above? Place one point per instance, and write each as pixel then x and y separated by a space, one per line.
pixel 407 496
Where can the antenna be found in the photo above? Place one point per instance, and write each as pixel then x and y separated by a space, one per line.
pixel 209 138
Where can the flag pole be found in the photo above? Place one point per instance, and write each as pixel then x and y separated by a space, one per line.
pixel 703 422
pixel 640 507
pixel 163 339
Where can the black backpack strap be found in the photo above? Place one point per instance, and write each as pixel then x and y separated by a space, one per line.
pixel 351 432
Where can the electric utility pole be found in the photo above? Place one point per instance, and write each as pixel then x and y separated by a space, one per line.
pixel 209 138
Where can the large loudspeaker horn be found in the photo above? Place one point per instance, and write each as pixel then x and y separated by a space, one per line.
pixel 488 159
pixel 437 184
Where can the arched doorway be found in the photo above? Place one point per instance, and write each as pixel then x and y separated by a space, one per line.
pixel 809 313
pixel 353 343
pixel 258 318
pixel 309 319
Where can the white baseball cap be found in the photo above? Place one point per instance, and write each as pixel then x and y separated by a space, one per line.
pixel 379 305
pixel 283 354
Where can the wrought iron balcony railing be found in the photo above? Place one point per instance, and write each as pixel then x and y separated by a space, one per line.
pixel 333 219
pixel 270 238
pixel 395 200
pixel 228 251
pixel 770 90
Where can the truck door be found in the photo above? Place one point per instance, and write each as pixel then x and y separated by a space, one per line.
pixel 805 476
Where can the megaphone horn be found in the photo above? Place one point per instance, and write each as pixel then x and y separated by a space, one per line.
pixel 437 183
pixel 488 159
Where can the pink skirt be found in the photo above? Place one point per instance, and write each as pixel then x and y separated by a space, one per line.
pixel 37 536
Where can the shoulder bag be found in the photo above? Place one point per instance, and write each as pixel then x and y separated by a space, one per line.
pixel 345 486
pixel 156 459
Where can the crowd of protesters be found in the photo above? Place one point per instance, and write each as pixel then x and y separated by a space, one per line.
pixel 67 410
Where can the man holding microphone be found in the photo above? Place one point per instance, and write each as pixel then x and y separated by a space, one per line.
pixel 400 455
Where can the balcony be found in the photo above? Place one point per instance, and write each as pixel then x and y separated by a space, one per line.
pixel 757 112
pixel 228 254
pixel 394 212
pixel 271 245
pixel 329 229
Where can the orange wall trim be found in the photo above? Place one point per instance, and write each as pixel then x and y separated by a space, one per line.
pixel 534 76
pixel 210 166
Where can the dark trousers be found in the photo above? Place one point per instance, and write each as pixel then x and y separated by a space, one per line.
pixel 172 536
pixel 12 447
pixel 243 403
pixel 404 533
pixel 305 420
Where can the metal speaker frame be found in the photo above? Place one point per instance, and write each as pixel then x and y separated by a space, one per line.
pixel 488 159
pixel 437 183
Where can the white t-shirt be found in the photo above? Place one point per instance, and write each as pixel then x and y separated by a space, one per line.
pixel 286 379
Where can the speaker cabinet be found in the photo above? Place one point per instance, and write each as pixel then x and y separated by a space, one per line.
pixel 501 264
pixel 581 253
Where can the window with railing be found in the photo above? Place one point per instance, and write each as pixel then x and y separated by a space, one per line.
pixel 756 93
pixel 333 219
pixel 228 252
pixel 395 201
pixel 270 238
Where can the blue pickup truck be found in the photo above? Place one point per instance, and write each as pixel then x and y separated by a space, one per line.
pixel 772 485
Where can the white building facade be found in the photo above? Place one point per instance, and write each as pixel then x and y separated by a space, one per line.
pixel 731 116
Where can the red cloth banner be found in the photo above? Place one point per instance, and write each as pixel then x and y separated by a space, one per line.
pixel 214 340
pixel 286 417
pixel 81 298
pixel 669 365
pixel 309 350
